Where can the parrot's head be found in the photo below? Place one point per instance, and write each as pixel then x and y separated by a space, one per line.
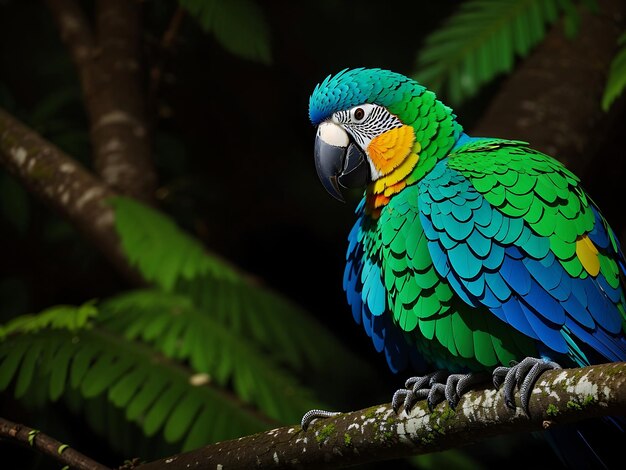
pixel 372 126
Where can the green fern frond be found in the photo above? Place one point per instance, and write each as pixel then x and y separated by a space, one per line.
pixel 67 317
pixel 275 323
pixel 177 263
pixel 173 325
pixel 109 421
pixel 162 252
pixel 155 392
pixel 483 39
pixel 616 82
pixel 238 25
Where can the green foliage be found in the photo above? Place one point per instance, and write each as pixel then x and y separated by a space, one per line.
pixel 59 317
pixel 205 355
pixel 176 262
pixel 452 458
pixel 616 81
pixel 483 38
pixel 161 251
pixel 172 325
pixel 238 25
pixel 155 392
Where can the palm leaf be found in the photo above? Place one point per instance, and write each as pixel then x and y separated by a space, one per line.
pixel 177 263
pixel 616 81
pixel 171 324
pixel 483 39
pixel 238 25
pixel 160 250
pixel 155 392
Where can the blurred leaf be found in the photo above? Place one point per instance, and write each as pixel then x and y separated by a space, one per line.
pixel 483 38
pixel 173 325
pixel 616 81
pixel 176 262
pixel 239 26
pixel 14 204
pixel 65 317
pixel 452 458
pixel 163 253
pixel 64 350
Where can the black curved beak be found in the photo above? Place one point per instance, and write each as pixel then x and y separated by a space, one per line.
pixel 340 166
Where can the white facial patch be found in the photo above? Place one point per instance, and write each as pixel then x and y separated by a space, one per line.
pixel 333 134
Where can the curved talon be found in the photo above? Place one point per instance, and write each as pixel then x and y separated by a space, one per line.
pixel 526 387
pixel 509 388
pixel 417 388
pixel 435 388
pixel 467 381
pixel 522 369
pixel 417 383
pixel 312 415
pixel 459 384
pixel 398 398
pixel 451 389
pixel 413 396
pixel 438 377
pixel 522 374
pixel 436 395
pixel 499 373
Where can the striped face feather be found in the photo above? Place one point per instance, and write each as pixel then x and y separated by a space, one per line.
pixel 393 127
pixel 365 122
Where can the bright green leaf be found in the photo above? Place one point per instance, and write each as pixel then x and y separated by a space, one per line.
pixel 616 81
pixel 239 26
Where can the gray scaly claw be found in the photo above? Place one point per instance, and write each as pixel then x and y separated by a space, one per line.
pixel 435 388
pixel 522 375
pixel 312 415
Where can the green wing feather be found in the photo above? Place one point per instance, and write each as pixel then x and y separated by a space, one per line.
pixel 444 330
pixel 522 182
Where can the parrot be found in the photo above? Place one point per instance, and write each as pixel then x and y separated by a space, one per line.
pixel 479 258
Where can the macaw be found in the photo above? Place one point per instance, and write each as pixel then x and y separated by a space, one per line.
pixel 471 255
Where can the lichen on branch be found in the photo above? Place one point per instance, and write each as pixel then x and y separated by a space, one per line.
pixel 377 433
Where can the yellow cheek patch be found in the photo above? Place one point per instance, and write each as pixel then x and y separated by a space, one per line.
pixel 587 253
pixel 388 150
pixel 382 184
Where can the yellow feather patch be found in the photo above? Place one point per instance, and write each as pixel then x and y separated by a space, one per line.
pixel 388 150
pixel 396 176
pixel 587 253
pixel 394 188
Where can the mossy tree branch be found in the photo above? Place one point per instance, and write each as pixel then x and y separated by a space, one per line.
pixel 377 433
pixel 47 446
pixel 65 185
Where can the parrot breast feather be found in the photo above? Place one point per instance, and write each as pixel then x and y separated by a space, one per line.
pixel 495 255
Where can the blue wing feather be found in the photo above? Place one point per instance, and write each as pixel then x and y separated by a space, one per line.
pixel 500 263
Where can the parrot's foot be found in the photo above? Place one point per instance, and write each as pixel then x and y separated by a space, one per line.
pixel 312 415
pixel 522 374
pixel 433 388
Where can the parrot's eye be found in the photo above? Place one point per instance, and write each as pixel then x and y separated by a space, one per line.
pixel 358 114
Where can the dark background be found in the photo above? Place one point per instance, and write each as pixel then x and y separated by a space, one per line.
pixel 233 149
